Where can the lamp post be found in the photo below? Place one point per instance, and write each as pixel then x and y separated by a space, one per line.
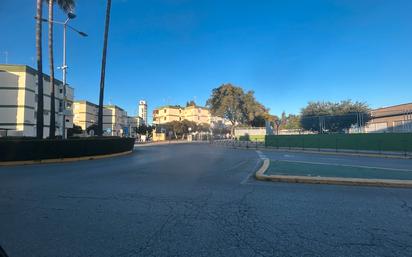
pixel 65 24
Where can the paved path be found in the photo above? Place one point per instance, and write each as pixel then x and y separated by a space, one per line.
pixel 194 200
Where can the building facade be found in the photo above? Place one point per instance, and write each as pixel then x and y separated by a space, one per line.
pixel 143 111
pixel 18 102
pixel 114 120
pixel 397 118
pixel 85 114
pixel 171 113
pixel 131 126
pixel 197 114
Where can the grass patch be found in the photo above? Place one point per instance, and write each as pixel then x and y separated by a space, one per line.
pixel 330 170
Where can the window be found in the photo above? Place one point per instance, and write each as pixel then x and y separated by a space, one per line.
pixel 164 110
pixel 164 118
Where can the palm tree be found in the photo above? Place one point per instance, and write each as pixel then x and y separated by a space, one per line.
pixel 101 94
pixel 39 57
pixel 66 6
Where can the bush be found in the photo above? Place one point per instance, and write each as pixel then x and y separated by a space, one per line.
pixel 18 149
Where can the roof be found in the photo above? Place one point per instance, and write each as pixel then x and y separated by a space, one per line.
pixel 113 106
pixel 25 68
pixel 180 107
pixel 398 105
pixel 169 106
pixel 85 102
pixel 197 106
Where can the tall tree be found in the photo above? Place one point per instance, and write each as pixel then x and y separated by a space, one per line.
pixel 103 71
pixel 66 6
pixel 232 103
pixel 333 117
pixel 39 58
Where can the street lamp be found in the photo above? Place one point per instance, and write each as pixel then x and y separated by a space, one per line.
pixel 65 24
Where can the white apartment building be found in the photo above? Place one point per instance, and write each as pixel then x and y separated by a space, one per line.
pixel 131 125
pixel 18 102
pixel 143 111
pixel 115 119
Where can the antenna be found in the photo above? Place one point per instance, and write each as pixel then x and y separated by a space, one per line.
pixel 6 54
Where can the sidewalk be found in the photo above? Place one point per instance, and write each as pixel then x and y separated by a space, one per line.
pixel 313 169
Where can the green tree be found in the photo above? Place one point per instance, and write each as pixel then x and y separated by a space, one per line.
pixel 103 70
pixel 203 127
pixel 75 130
pixel 190 103
pixel 143 129
pixel 39 58
pixel 232 103
pixel 292 122
pixel 66 6
pixel 93 128
pixel 333 117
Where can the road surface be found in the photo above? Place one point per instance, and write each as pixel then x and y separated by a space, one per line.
pixel 195 200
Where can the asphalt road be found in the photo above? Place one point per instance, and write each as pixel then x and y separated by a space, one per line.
pixel 194 200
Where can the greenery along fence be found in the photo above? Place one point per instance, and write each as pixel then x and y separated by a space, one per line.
pixel 25 149
pixel 397 142
pixel 253 138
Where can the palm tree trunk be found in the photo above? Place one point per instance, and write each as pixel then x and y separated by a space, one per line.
pixel 52 130
pixel 102 77
pixel 40 117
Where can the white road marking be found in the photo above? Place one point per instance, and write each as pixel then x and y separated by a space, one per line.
pixel 346 165
pixel 261 155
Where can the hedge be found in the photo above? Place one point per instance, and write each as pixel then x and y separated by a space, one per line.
pixel 24 149
pixel 398 142
pixel 259 138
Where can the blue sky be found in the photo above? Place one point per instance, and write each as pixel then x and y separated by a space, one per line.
pixel 171 51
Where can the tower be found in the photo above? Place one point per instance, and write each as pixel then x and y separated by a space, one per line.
pixel 143 111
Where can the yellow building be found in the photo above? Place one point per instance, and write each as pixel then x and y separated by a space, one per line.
pixel 170 113
pixel 85 113
pixel 167 114
pixel 197 114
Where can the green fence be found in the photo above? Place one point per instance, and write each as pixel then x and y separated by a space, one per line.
pixel 23 149
pixel 398 142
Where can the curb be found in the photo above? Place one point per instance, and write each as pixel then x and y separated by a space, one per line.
pixel 63 160
pixel 329 180
pixel 170 143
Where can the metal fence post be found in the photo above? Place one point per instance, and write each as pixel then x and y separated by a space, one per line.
pixel 303 143
pixel 380 146
pixel 336 144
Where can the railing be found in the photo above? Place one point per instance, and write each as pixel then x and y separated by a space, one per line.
pixel 383 144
